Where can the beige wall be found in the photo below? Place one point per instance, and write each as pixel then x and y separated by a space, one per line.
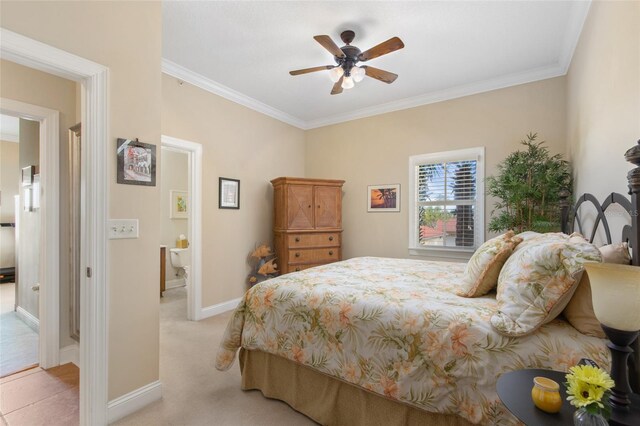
pixel 9 185
pixel 603 97
pixel 37 88
pixel 126 37
pixel 174 177
pixel 376 150
pixel 237 143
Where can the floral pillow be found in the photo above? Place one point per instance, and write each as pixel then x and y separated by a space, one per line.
pixel 481 273
pixel 538 280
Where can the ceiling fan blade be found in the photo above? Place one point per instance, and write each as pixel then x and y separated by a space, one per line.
pixel 378 74
pixel 314 69
pixel 328 44
pixel 383 48
pixel 337 88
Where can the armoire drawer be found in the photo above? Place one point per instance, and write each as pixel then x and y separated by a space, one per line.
pixel 320 255
pixel 328 239
pixel 296 268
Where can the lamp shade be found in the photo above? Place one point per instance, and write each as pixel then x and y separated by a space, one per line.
pixel 335 73
pixel 615 293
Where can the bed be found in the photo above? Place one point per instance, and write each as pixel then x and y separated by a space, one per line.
pixel 339 342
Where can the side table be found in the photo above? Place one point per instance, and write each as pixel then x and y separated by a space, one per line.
pixel 514 390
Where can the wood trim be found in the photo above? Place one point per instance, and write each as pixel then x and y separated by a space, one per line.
pixel 306 181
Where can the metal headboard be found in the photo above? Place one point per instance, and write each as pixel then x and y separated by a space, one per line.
pixel 630 232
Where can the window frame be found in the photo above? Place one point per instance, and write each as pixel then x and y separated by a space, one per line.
pixel 415 249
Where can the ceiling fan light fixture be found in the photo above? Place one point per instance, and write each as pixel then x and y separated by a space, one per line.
pixel 347 83
pixel 336 73
pixel 358 74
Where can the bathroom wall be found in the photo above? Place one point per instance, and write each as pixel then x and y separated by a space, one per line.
pixel 29 224
pixel 174 176
pixel 9 185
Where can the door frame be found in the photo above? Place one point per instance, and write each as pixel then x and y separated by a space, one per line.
pixel 94 291
pixel 194 154
pixel 49 265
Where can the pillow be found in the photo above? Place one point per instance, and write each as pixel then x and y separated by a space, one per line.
pixel 616 253
pixel 481 273
pixel 579 311
pixel 538 280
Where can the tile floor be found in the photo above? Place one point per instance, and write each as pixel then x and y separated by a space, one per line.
pixel 41 397
pixel 18 342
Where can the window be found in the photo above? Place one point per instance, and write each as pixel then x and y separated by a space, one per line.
pixel 446 207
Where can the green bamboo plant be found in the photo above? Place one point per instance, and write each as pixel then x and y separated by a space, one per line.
pixel 527 187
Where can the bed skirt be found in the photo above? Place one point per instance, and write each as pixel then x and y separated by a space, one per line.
pixel 327 400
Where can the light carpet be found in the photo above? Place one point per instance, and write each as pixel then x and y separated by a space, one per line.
pixel 18 342
pixel 194 392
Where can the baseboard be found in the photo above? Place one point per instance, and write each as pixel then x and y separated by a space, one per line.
pixel 28 318
pixel 69 354
pixel 220 308
pixel 180 282
pixel 133 401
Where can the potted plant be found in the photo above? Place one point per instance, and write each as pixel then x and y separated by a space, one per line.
pixel 527 187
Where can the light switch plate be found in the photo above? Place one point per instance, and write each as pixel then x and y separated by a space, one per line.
pixel 123 228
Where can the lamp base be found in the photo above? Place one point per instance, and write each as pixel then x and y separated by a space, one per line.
pixel 625 405
pixel 630 417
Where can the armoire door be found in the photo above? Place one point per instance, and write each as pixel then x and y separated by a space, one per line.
pixel 328 207
pixel 300 206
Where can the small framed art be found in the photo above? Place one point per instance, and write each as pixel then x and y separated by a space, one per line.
pixel 228 193
pixel 383 198
pixel 179 205
pixel 136 162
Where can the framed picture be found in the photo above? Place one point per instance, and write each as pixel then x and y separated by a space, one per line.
pixel 228 193
pixel 136 163
pixel 27 175
pixel 383 198
pixel 179 205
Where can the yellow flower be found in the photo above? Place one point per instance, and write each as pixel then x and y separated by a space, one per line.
pixel 582 394
pixel 586 385
pixel 591 375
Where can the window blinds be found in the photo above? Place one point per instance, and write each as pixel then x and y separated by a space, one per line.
pixel 446 203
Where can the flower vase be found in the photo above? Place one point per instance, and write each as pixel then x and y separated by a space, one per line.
pixel 584 418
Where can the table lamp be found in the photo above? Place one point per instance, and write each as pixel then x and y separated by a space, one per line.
pixel 615 293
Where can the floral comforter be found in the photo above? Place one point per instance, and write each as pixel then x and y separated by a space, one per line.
pixel 396 327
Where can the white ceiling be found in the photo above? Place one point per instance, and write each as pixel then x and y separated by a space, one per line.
pixel 9 128
pixel 243 51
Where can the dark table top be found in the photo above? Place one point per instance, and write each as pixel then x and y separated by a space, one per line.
pixel 514 390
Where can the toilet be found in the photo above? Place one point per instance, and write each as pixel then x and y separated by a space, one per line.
pixel 181 259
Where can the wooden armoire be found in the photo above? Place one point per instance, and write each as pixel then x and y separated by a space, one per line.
pixel 307 222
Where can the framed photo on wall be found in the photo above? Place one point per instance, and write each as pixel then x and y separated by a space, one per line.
pixel 383 198
pixel 179 204
pixel 228 193
pixel 136 162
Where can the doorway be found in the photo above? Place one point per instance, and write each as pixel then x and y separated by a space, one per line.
pixel 19 216
pixel 94 295
pixel 183 265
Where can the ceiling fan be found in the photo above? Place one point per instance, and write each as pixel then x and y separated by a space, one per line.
pixel 347 72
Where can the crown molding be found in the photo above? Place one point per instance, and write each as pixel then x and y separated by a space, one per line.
pixel 572 36
pixel 443 95
pixel 579 13
pixel 198 80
